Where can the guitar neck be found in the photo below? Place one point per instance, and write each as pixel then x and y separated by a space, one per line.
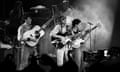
pixel 83 36
pixel 47 23
pixel 75 36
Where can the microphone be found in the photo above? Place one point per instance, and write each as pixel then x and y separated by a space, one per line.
pixel 90 23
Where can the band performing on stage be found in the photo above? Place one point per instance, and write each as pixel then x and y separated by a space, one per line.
pixel 54 37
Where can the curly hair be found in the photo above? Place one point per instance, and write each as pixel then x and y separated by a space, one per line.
pixel 76 22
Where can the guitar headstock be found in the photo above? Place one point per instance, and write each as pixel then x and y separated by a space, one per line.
pixel 98 25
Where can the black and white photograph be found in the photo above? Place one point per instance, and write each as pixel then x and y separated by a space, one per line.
pixel 59 36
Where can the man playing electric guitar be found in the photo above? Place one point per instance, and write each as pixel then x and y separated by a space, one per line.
pixel 79 37
pixel 59 33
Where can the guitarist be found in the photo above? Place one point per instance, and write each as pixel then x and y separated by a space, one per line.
pixel 26 50
pixel 59 33
pixel 80 29
pixel 77 41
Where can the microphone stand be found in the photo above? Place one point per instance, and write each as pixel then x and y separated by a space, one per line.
pixel 95 39
pixel 90 37
pixel 90 34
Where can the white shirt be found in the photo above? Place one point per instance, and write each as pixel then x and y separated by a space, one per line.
pixel 21 30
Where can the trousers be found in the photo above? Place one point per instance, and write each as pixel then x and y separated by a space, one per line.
pixel 61 54
pixel 25 54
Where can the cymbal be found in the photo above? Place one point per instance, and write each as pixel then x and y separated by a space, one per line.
pixel 38 7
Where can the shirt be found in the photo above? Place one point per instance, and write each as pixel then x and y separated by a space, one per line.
pixel 24 27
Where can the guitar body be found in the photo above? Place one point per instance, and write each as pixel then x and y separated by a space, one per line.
pixel 31 43
pixel 77 43
pixel 32 36
pixel 74 43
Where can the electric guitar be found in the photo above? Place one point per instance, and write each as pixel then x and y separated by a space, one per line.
pixel 31 37
pixel 76 39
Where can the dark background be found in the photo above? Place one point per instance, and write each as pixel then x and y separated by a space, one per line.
pixel 7 5
pixel 116 29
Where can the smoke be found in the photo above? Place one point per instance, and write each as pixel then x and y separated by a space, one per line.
pixel 96 11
